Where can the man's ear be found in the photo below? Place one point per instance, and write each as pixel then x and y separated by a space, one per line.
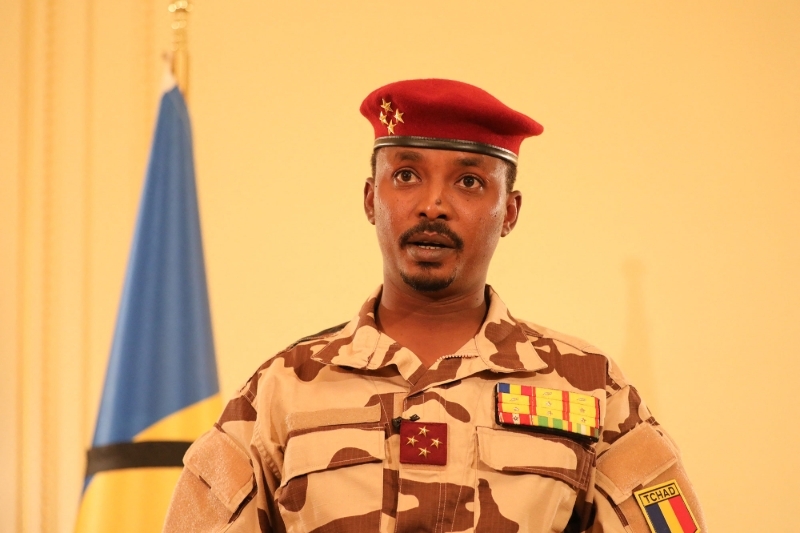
pixel 513 205
pixel 369 200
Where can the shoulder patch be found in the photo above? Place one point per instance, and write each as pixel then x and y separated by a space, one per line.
pixel 665 509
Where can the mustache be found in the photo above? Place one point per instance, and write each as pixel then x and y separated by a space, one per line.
pixel 432 226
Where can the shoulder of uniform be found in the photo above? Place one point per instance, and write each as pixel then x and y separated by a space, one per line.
pixel 325 333
pixel 616 378
pixel 538 331
pixel 293 355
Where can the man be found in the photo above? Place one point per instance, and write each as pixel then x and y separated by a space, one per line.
pixel 435 409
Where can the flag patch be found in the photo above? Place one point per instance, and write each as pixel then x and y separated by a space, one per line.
pixel 571 412
pixel 665 509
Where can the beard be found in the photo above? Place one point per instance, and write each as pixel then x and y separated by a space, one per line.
pixel 428 281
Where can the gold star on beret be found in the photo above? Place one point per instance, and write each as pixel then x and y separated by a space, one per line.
pixel 386 110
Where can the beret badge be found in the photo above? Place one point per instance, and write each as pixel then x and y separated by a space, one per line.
pixel 386 117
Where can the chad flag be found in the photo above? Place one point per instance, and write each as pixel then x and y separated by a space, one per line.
pixel 665 509
pixel 161 390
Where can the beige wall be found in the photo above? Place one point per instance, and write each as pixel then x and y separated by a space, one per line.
pixel 660 214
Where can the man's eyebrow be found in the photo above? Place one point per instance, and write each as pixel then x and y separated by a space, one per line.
pixel 469 161
pixel 408 155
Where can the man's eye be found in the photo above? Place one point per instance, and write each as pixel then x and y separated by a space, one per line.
pixel 470 182
pixel 405 176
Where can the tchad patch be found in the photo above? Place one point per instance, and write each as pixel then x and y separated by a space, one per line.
pixel 665 509
pixel 552 409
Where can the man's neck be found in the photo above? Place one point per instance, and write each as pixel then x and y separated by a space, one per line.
pixel 428 326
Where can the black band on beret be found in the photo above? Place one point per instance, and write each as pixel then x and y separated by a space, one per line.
pixel 446 144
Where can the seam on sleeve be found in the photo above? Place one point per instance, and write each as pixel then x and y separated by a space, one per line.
pixel 266 458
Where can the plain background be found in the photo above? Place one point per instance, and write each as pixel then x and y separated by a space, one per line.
pixel 659 221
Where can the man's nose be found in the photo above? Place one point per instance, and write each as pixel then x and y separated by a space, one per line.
pixel 433 203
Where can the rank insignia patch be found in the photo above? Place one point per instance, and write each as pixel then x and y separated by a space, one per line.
pixel 665 509
pixel 423 443
pixel 571 412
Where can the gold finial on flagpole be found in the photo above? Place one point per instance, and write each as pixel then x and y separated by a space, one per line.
pixel 180 52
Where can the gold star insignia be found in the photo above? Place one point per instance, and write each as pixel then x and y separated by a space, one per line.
pixel 423 431
pixel 383 118
pixel 411 441
pixel 387 106
pixel 390 127
pixel 424 452
pixel 398 116
pixel 435 442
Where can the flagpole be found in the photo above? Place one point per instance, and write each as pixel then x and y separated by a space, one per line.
pixel 180 51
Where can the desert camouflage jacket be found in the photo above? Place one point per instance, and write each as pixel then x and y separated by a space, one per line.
pixel 312 442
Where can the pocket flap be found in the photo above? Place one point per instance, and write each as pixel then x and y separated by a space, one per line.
pixel 220 463
pixel 536 453
pixel 329 448
pixel 634 460
pixel 301 420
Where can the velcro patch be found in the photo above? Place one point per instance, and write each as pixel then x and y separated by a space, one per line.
pixel 570 412
pixel 665 509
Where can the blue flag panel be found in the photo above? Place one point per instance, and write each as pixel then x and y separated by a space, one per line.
pixel 162 358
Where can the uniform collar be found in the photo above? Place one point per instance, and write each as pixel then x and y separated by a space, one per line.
pixel 503 344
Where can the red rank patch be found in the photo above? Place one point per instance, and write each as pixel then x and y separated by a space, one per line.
pixel 423 443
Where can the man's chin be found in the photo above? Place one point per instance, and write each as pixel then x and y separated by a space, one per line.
pixel 427 281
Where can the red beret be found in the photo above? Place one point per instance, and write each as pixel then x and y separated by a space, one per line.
pixel 448 115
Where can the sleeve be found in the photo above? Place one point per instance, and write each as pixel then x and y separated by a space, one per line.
pixel 641 485
pixel 229 475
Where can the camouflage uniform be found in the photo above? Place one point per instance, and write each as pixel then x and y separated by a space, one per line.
pixel 308 444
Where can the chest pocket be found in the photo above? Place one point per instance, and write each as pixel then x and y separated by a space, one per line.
pixel 333 475
pixel 529 480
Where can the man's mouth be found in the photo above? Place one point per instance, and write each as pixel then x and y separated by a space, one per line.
pixel 431 241
pixel 430 246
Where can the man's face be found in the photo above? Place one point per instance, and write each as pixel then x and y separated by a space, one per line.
pixel 439 215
